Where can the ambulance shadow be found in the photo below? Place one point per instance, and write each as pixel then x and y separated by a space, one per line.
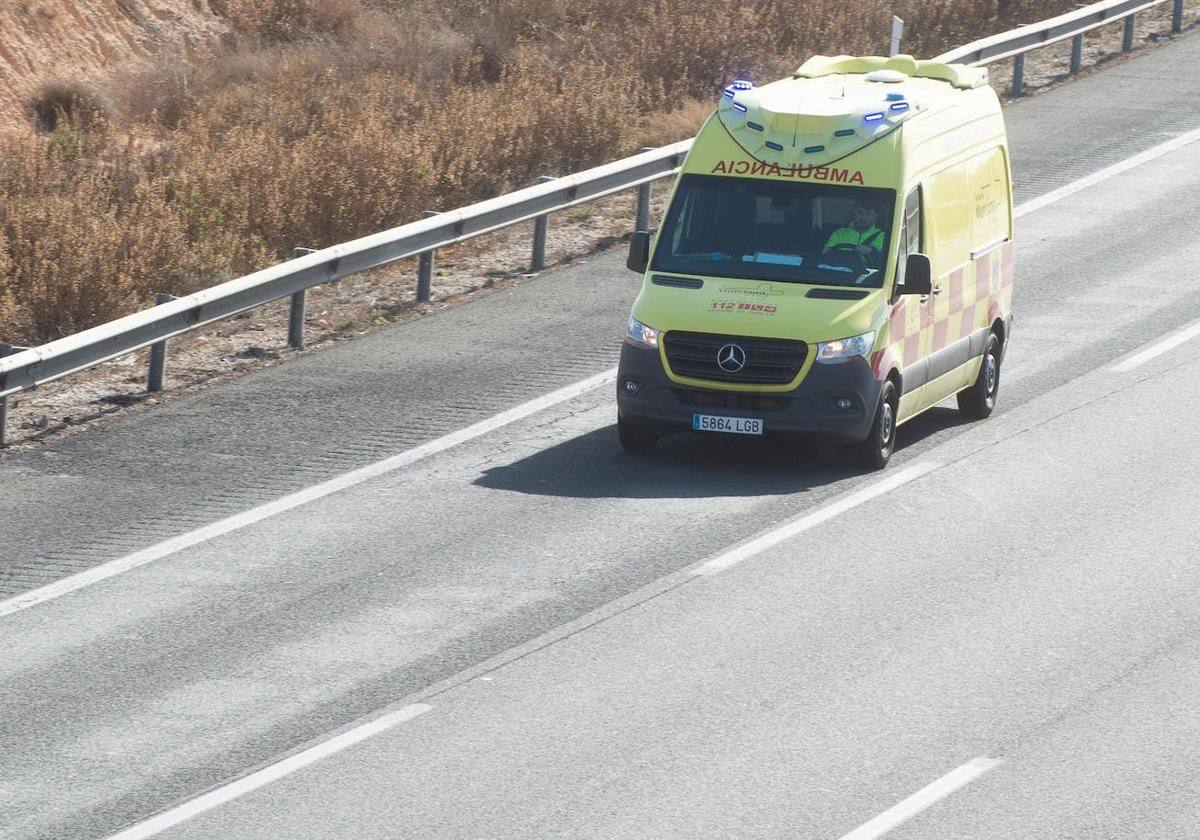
pixel 593 466
pixel 936 420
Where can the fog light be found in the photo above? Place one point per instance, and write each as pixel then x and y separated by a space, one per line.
pixel 845 404
pixel 630 387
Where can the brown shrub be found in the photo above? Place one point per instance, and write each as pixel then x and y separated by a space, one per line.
pixel 67 103
pixel 8 304
pixel 89 232
pixel 291 20
pixel 333 119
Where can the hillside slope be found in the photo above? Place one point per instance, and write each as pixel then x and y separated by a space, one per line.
pixel 44 40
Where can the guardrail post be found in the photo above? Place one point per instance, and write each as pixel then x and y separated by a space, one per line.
pixel 1076 53
pixel 537 261
pixel 425 267
pixel 158 353
pixel 1018 77
pixel 897 35
pixel 641 219
pixel 1127 39
pixel 5 350
pixel 296 312
pixel 1177 18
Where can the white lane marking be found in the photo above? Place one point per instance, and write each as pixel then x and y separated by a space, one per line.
pixel 922 799
pixel 1157 348
pixel 811 520
pixel 301 497
pixel 1107 172
pixel 267 775
pixel 233 523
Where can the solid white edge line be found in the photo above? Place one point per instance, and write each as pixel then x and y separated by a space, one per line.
pixel 301 497
pixel 922 799
pixel 811 520
pixel 403 459
pixel 1157 348
pixel 1106 173
pixel 269 774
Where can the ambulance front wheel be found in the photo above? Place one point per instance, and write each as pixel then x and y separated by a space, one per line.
pixel 978 401
pixel 634 439
pixel 875 452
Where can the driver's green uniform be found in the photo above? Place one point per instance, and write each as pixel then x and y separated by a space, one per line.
pixel 849 236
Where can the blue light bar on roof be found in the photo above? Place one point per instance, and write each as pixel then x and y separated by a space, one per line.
pixel 875 117
pixel 844 132
pixel 738 106
pixel 812 150
pixel 900 106
pixel 742 84
pixel 774 146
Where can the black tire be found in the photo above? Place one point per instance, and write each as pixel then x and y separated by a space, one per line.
pixel 978 401
pixel 634 439
pixel 875 452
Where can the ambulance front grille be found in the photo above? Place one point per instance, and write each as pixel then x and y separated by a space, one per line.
pixel 769 361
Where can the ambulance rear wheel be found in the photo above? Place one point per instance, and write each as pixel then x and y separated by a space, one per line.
pixel 634 439
pixel 875 452
pixel 978 401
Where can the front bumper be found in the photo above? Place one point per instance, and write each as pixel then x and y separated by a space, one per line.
pixel 809 412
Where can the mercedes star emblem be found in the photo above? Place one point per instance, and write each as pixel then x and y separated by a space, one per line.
pixel 731 358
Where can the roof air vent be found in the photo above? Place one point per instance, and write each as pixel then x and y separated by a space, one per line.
pixel 887 76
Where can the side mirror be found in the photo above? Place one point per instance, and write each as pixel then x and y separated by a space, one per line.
pixel 639 251
pixel 918 276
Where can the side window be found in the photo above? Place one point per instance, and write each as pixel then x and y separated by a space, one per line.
pixel 912 222
pixel 910 233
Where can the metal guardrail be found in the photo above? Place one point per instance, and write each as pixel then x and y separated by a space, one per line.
pixel 1074 25
pixel 26 368
pixel 30 367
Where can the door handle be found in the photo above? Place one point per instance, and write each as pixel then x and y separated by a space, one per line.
pixel 937 290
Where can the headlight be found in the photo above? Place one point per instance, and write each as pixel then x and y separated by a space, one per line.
pixel 639 335
pixel 846 349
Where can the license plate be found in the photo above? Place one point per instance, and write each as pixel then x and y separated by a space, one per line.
pixel 734 425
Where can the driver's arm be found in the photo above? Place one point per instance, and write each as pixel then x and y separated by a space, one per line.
pixel 834 239
pixel 871 255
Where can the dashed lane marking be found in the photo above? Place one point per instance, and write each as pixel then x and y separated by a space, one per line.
pixel 267 775
pixel 957 778
pixel 810 520
pixel 1157 348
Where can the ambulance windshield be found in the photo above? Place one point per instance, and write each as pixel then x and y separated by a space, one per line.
pixel 769 229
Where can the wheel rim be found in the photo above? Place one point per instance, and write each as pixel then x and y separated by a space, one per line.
pixel 886 426
pixel 990 375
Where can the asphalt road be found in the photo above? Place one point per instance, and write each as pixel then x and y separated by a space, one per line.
pixel 811 687
pixel 1050 615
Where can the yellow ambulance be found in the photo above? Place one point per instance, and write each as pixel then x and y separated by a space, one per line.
pixel 835 259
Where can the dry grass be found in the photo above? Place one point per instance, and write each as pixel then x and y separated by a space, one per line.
pixel 330 119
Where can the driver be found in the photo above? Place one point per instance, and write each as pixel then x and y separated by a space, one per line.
pixel 860 235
